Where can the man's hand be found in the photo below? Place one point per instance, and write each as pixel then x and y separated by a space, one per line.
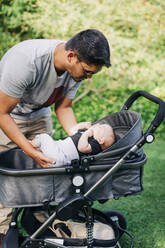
pixel 81 125
pixel 42 160
pixel 67 118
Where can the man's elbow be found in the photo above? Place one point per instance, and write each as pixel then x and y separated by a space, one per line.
pixel 61 108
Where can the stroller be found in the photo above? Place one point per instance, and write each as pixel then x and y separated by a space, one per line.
pixel 65 195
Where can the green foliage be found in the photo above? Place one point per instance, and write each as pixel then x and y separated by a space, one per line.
pixel 13 27
pixel 135 30
pixel 11 14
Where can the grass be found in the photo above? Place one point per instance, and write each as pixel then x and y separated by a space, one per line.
pixel 145 213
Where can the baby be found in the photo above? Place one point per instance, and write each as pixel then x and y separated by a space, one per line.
pixel 85 142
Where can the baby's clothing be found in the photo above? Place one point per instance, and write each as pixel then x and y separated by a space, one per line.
pixel 64 151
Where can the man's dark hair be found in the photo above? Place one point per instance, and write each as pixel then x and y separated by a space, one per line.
pixel 91 47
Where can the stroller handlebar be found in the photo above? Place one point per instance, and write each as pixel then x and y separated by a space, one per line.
pixel 160 115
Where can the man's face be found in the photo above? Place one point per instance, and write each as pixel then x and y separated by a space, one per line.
pixel 80 70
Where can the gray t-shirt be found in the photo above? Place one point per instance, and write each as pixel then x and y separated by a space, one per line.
pixel 27 72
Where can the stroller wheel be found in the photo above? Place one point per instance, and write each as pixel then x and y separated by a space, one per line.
pixel 118 218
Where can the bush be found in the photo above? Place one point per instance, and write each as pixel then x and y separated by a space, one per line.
pixel 135 30
pixel 13 27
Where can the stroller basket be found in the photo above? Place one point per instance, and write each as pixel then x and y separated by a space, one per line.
pixel 24 183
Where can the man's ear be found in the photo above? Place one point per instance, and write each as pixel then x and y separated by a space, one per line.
pixel 71 56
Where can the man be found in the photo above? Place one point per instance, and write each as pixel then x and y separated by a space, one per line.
pixel 35 74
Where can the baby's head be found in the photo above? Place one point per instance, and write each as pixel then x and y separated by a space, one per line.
pixel 104 135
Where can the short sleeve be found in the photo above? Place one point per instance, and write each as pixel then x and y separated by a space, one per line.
pixel 72 88
pixel 16 74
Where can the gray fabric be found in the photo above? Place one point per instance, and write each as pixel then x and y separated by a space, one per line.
pixel 35 190
pixel 27 72
pixel 127 127
pixel 127 182
pixel 26 191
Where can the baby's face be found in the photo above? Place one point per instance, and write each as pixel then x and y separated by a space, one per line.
pixel 102 132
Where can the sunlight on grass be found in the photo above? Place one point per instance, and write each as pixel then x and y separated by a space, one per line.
pixel 145 213
pixel 160 244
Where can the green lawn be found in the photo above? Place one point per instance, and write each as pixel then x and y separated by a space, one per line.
pixel 145 213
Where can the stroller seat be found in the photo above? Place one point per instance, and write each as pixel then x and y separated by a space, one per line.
pixel 24 183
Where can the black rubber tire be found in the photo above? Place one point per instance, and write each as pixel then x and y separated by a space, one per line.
pixel 121 219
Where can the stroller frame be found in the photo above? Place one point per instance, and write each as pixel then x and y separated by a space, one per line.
pixel 66 210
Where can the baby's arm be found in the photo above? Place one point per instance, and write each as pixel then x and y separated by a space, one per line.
pixel 83 145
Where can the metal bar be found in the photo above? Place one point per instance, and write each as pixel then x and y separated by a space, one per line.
pixel 43 226
pixel 110 171
pixel 32 172
pixel 51 243
pixel 118 244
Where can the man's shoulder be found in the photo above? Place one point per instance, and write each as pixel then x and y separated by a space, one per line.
pixel 37 43
pixel 33 49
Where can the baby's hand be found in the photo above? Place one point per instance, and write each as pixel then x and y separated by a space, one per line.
pixel 99 133
pixel 83 145
pixel 81 125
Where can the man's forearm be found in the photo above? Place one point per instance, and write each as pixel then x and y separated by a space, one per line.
pixel 10 128
pixel 66 118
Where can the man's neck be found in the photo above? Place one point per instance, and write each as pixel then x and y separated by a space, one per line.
pixel 59 59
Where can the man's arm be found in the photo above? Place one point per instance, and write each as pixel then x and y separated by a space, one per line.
pixel 67 118
pixel 66 115
pixel 10 128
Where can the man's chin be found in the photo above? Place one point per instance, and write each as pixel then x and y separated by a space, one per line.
pixel 78 79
